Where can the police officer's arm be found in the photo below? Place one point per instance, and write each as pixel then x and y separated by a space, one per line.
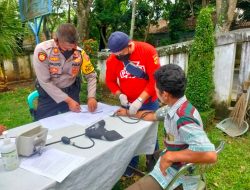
pixel 88 71
pixel 41 66
pixel 73 105
pixel 92 103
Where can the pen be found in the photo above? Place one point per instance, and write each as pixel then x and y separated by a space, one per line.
pixel 92 112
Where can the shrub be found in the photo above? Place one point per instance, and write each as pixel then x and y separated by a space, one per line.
pixel 90 46
pixel 200 86
pixel 208 117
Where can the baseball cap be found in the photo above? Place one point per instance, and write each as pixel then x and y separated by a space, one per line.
pixel 118 41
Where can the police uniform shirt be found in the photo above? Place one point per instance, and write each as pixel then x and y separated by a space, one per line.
pixel 54 72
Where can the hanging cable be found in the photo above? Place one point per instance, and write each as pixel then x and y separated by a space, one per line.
pixel 137 120
pixel 67 140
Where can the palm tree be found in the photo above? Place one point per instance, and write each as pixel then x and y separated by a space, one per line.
pixel 10 30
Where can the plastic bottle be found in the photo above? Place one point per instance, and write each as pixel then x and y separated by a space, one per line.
pixel 9 153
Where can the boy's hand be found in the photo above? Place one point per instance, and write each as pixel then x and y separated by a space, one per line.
pixel 165 163
pixel 122 112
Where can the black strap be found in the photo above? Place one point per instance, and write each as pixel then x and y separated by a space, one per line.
pixel 135 70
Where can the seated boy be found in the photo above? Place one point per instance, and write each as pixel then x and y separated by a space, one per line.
pixel 185 139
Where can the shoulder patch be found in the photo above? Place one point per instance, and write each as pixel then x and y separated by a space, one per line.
pixel 85 56
pixel 87 66
pixel 42 56
pixel 54 59
pixel 55 50
pixel 155 57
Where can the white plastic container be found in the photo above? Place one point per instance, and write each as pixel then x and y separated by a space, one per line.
pixel 9 153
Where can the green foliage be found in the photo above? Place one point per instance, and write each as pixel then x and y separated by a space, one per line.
pixel 106 17
pixel 178 13
pixel 91 48
pixel 245 6
pixel 14 108
pixel 10 29
pixel 200 86
pixel 208 117
pixel 177 20
pixel 148 11
pixel 111 15
pixel 231 172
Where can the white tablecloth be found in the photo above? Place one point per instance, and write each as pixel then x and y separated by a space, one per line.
pixel 105 162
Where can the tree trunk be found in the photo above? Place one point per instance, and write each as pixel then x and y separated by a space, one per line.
pixel 69 19
pixel 83 10
pixel 204 3
pixel 191 5
pixel 150 16
pixel 45 29
pixel 16 68
pixel 225 14
pixel 3 84
pixel 133 19
pixel 103 33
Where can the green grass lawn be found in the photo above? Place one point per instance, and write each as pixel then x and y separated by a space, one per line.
pixel 232 172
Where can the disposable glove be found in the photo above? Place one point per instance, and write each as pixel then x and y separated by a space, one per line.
pixel 135 106
pixel 123 99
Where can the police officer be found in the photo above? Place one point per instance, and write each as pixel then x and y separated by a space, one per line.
pixel 57 63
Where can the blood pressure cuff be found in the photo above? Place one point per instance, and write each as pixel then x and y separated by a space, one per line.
pixel 98 131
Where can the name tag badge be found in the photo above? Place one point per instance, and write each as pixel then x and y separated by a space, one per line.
pixel 54 59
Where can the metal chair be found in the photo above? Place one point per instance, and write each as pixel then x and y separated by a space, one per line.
pixel 192 168
pixel 30 99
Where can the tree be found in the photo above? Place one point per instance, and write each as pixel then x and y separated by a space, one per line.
pixel 107 16
pixel 133 19
pixel 225 10
pixel 155 12
pixel 178 13
pixel 83 13
pixel 60 14
pixel 10 27
pixel 200 86
pixel 245 6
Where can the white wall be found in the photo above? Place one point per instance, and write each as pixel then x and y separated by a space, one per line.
pixel 223 71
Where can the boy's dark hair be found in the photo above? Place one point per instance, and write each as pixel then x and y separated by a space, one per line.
pixel 171 78
pixel 67 33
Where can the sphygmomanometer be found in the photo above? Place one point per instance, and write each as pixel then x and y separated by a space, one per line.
pixel 96 131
